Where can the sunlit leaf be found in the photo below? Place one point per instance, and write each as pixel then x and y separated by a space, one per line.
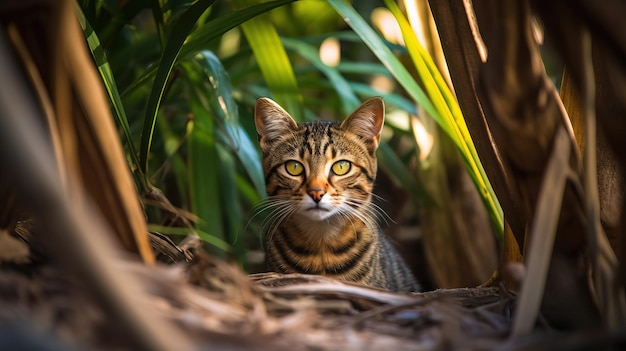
pixel 220 96
pixel 273 61
pixel 452 120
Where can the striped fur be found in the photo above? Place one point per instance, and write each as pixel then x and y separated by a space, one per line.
pixel 322 221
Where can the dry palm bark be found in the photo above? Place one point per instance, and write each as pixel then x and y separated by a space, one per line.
pixel 607 30
pixel 48 42
pixel 508 99
pixel 63 166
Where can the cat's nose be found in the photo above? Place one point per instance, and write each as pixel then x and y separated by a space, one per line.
pixel 316 194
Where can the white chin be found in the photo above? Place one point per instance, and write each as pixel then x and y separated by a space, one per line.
pixel 317 214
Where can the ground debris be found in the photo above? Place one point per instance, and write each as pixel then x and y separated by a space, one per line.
pixel 216 305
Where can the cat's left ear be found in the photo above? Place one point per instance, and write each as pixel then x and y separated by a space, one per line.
pixel 367 122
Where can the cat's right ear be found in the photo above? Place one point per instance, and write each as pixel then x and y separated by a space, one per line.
pixel 272 122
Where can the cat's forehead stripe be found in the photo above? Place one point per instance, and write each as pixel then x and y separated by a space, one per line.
pixel 318 136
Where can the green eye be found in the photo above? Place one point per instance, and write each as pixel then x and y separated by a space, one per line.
pixel 294 168
pixel 341 167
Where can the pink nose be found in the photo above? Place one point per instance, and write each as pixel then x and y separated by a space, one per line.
pixel 316 194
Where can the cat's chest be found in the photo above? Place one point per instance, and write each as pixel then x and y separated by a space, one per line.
pixel 326 238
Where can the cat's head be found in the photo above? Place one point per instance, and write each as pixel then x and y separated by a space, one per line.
pixel 320 169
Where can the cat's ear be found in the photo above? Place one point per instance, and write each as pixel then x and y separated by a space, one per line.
pixel 367 122
pixel 272 122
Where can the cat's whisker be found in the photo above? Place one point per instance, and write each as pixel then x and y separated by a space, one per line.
pixel 372 210
pixel 281 210
pixel 260 206
pixel 366 218
pixel 264 206
pixel 285 213
pixel 347 215
pixel 379 198
pixel 275 215
pixel 384 214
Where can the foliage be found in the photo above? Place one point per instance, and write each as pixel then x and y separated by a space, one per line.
pixel 189 73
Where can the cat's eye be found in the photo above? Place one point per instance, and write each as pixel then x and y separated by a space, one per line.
pixel 294 168
pixel 341 167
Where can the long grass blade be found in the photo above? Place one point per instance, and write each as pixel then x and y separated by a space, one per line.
pixel 384 54
pixel 104 69
pixel 227 173
pixel 273 61
pixel 249 157
pixel 436 110
pixel 204 183
pixel 452 118
pixel 393 99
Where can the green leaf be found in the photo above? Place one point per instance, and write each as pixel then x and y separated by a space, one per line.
pixel 273 62
pixel 249 157
pixel 391 99
pixel 220 95
pixel 362 68
pixel 111 88
pixel 215 28
pixel 223 105
pixel 227 173
pixel 384 55
pixel 204 182
pixel 180 31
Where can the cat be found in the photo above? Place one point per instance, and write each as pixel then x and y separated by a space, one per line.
pixel 319 177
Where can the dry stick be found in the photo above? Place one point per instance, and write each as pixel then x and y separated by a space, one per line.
pixel 321 285
pixel 338 289
pixel 384 309
pixel 543 233
pixel 603 260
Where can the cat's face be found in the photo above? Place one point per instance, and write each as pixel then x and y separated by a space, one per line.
pixel 319 169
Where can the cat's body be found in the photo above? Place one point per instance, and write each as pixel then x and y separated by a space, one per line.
pixel 319 177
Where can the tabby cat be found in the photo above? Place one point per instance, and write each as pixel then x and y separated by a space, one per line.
pixel 319 177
